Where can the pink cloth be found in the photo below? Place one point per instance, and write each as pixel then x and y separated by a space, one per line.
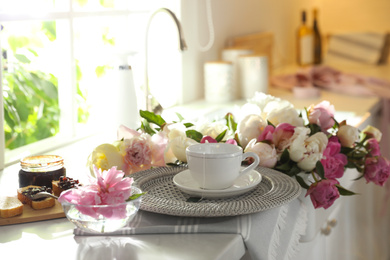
pixel 328 78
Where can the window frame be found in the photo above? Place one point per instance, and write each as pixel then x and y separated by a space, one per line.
pixel 67 94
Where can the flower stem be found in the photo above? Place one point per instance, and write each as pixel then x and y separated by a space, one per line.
pixel 314 176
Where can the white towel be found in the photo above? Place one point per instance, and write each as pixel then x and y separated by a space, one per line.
pixel 270 235
pixel 363 47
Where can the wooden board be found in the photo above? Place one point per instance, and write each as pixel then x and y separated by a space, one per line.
pixel 261 44
pixel 30 215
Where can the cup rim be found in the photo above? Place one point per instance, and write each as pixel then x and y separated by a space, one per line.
pixel 201 154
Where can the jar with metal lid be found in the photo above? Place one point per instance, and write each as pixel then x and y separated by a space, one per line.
pixel 41 170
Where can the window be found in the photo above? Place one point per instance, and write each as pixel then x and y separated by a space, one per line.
pixel 58 67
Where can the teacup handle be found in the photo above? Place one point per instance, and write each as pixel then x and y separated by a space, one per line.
pixel 253 165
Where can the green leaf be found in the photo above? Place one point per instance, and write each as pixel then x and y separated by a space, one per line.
pixel 336 124
pixel 107 3
pixel 22 58
pixel 230 123
pixel 285 167
pixel 300 114
pixel 320 170
pixel 359 154
pixel 285 157
pixel 221 136
pixel 358 178
pixel 294 169
pixel 135 196
pixel 343 191
pixel 82 2
pixel 18 42
pixel 181 118
pixel 351 165
pixel 314 128
pixel 269 123
pixel 195 135
pixel 101 70
pixel 346 150
pixel 177 163
pixel 237 140
pixel 49 28
pixel 152 118
pixel 146 127
pixel 302 182
pixel 188 125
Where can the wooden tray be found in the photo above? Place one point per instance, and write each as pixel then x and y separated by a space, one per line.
pixel 31 215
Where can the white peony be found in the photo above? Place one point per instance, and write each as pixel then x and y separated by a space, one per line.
pixel 282 112
pixel 307 151
pixel 250 127
pixel 375 132
pixel 174 130
pixel 348 135
pixel 266 153
pixel 176 149
pixel 262 100
pixel 212 129
pixel 245 110
pixel 104 157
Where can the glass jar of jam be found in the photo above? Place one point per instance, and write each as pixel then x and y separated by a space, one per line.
pixel 41 170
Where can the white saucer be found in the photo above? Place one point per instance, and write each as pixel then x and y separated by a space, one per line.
pixel 184 181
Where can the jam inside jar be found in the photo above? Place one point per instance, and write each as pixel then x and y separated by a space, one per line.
pixel 41 170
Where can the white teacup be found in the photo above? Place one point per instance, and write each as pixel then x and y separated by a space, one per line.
pixel 216 166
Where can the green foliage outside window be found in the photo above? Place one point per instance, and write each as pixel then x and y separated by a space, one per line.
pixel 31 110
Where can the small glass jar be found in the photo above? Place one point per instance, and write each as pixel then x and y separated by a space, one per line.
pixel 41 170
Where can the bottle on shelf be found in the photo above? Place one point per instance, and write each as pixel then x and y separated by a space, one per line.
pixel 317 39
pixel 305 42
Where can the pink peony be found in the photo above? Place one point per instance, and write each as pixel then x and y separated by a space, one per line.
pixel 373 148
pixel 334 161
pixel 126 133
pixel 158 147
pixel 208 139
pixel 267 134
pixel 282 136
pixel 231 141
pixel 157 144
pixel 138 154
pixel 323 193
pixel 112 186
pixel 322 115
pixel 109 188
pixel 377 170
pixel 279 136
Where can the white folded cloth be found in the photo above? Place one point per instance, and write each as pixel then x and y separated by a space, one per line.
pixel 363 47
pixel 271 234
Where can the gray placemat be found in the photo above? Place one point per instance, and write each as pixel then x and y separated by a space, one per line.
pixel 162 196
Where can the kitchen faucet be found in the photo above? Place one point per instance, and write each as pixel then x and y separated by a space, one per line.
pixel 182 44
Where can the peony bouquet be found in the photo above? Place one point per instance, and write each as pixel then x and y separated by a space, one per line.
pixel 299 144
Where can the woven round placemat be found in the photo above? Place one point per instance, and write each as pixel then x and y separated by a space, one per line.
pixel 162 196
